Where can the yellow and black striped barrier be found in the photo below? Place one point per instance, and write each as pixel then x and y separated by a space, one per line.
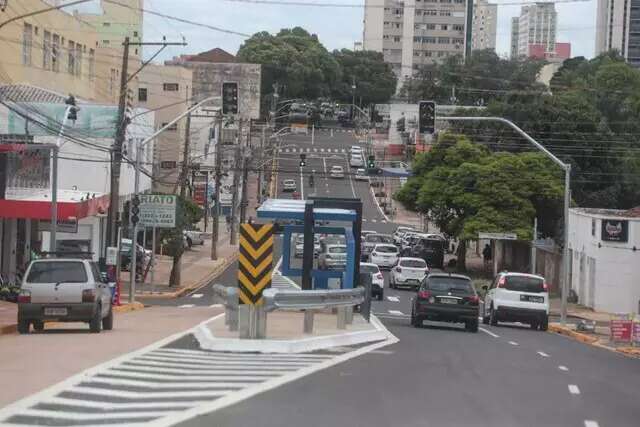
pixel 254 262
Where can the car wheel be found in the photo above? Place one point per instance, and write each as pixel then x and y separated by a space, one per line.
pixel 23 326
pixel 38 325
pixel 107 322
pixel 380 296
pixel 485 318
pixel 493 319
pixel 415 321
pixel 392 283
pixel 534 325
pixel 544 324
pixel 95 324
pixel 471 325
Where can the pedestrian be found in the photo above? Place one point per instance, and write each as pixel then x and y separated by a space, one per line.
pixel 486 254
pixel 228 219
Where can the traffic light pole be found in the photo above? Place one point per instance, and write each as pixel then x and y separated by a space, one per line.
pixel 215 218
pixel 134 237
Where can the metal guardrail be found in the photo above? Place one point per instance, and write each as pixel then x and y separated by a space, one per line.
pixel 229 297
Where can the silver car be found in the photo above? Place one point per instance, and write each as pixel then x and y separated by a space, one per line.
pixel 334 257
pixel 299 248
pixel 64 290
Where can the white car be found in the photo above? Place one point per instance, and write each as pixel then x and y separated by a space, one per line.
pixel 384 255
pixel 355 149
pixel 299 248
pixel 289 185
pixel 400 231
pixel 194 237
pixel 408 272
pixel 377 279
pixel 356 161
pixel 361 175
pixel 64 290
pixel 336 172
pixel 517 297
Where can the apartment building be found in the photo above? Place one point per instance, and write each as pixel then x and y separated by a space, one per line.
pixel 618 27
pixel 515 31
pixel 537 26
pixel 414 33
pixel 483 30
pixel 113 23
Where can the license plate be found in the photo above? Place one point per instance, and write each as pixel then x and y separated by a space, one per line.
pixel 448 300
pixel 531 298
pixel 55 311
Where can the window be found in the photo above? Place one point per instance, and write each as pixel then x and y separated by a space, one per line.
pixel 449 284
pixel 444 27
pixel 444 40
pixel 46 50
pixel 57 271
pixel 92 63
pixel 79 60
pixel 105 42
pixel 71 64
pixel 112 80
pixel 441 54
pixel 55 53
pixel 396 39
pixel 142 94
pixel 170 87
pixel 173 127
pixel 457 40
pixel 430 12
pixel 135 34
pixel 458 27
pixel 428 53
pixel 106 24
pixel 27 44
pixel 413 263
pixel 431 26
pixel 428 40
pixel 416 53
pixel 445 13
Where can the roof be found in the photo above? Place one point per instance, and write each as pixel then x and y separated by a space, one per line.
pixel 294 209
pixel 215 55
pixel 620 213
pixel 456 276
pixel 28 93
pixel 516 273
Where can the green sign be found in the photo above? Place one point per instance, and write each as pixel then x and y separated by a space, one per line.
pixel 158 210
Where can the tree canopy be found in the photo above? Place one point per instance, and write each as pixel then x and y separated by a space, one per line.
pixel 304 68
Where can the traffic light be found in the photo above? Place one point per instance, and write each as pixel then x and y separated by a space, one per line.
pixel 125 214
pixel 230 98
pixel 427 117
pixel 303 160
pixel 73 110
pixel 371 162
pixel 135 210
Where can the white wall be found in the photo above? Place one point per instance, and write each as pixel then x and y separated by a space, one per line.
pixel 616 286
pixel 373 19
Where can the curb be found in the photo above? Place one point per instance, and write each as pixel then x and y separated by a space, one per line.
pixel 185 290
pixel 563 330
pixel 126 308
pixel 8 329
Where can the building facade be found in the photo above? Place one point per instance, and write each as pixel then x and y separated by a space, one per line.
pixel 414 33
pixel 604 268
pixel 113 23
pixel 537 25
pixel 618 27
pixel 515 32
pixel 483 31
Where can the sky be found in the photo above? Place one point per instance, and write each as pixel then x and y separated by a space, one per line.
pixel 336 27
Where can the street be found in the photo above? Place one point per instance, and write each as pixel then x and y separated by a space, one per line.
pixel 436 375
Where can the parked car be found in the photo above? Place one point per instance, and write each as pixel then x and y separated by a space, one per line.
pixel 289 185
pixel 64 290
pixel 370 241
pixel 336 172
pixel 361 175
pixel 143 256
pixel 517 297
pixel 194 237
pixel 365 233
pixel 299 246
pixel 377 279
pixel 399 233
pixel 408 272
pixel 333 257
pixel 446 297
pixel 356 161
pixel 384 255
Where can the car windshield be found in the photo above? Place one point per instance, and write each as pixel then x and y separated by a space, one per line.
pixel 449 284
pixel 387 249
pixel 412 263
pixel 337 249
pixel 378 238
pixel 371 269
pixel 56 272
pixel 524 284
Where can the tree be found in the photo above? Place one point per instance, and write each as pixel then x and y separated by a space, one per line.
pixel 374 78
pixel 465 189
pixel 294 59
pixel 188 213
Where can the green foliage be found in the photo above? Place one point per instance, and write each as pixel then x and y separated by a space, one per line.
pixel 375 80
pixel 465 189
pixel 483 77
pixel 188 214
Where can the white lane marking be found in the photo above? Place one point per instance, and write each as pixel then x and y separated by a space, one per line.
pixel 232 356
pixel 164 386
pixel 184 378
pixel 353 190
pixel 286 150
pixel 513 343
pixel 186 306
pixel 119 405
pixel 146 393
pixel 488 332
pixel 394 299
pixel 315 150
pixel 186 362
pixel 133 365
pixel 573 389
pixel 396 312
pixel 591 423
pixel 278 264
pixel 343 150
pixel 364 220
pixel 90 416
pixel 383 352
pixel 375 199
pixel 543 354
pixel 324 167
pixel 563 368
pixel 197 296
pixel 308 150
pixel 374 220
pixel 215 305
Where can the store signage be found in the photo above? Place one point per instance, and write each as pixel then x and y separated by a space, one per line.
pixel 64 225
pixel 615 230
pixel 498 236
pixel 621 326
pixel 158 210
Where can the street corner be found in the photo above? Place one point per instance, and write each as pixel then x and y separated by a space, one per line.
pixel 129 307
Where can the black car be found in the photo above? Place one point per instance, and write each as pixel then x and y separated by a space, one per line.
pixel 446 297
pixel 430 249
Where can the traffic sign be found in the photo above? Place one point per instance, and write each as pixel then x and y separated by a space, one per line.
pixel 158 210
pixel 255 262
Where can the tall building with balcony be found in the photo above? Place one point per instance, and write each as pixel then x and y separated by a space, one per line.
pixel 534 34
pixel 414 33
pixel 515 29
pixel 483 31
pixel 618 27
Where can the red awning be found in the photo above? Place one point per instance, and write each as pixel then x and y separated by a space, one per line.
pixel 40 209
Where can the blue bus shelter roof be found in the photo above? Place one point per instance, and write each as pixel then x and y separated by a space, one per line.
pixel 294 209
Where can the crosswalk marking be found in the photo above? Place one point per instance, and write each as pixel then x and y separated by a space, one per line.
pixel 186 306
pixel 393 299
pixel 396 312
pixel 322 150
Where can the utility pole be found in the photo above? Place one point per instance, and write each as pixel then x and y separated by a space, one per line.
pixel 260 169
pixel 244 202
pixel 353 99
pixel 216 190
pixel 234 200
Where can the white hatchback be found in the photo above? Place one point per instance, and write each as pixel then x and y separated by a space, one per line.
pixel 408 272
pixel 361 175
pixel 384 255
pixel 377 279
pixel 336 172
pixel 289 185
pixel 356 161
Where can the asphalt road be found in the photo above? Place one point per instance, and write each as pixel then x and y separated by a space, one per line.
pixel 438 375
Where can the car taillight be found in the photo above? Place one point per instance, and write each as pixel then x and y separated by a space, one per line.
pixel 424 294
pixel 24 297
pixel 88 295
pixel 398 269
pixel 545 287
pixel 502 282
pixel 474 299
